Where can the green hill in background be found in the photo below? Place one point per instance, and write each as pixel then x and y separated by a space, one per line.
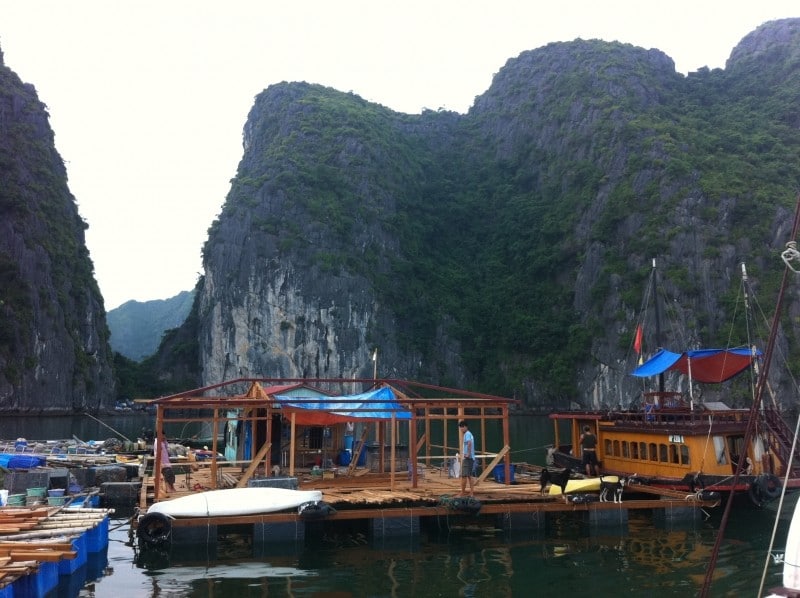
pixel 138 326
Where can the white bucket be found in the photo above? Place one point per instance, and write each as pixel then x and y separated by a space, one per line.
pixel 3 498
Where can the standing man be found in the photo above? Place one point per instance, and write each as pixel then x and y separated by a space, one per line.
pixel 467 459
pixel 589 446
pixel 162 454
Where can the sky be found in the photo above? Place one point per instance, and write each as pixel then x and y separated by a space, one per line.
pixel 148 98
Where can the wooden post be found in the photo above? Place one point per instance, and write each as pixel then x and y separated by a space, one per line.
pixel 483 432
pixel 506 443
pixel 156 455
pixel 268 440
pixel 381 443
pixel 444 437
pixel 392 453
pixel 427 435
pixel 214 448
pixel 460 413
pixel 253 432
pixel 413 447
pixel 292 444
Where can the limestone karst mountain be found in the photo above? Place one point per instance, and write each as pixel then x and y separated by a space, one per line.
pixel 54 352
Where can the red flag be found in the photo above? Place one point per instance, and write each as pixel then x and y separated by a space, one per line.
pixel 637 342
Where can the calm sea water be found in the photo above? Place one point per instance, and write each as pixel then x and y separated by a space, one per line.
pixel 643 559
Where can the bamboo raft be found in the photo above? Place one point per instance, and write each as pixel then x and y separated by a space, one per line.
pixel 30 536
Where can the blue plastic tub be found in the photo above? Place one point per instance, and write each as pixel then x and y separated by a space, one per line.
pixel 97 537
pixel 69 566
pixel 499 473
pixel 38 584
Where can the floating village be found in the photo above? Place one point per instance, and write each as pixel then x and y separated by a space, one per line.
pixel 291 459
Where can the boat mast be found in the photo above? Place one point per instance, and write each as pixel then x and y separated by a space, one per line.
pixel 659 343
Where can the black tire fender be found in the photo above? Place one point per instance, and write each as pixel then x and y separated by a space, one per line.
pixel 770 485
pixel 154 529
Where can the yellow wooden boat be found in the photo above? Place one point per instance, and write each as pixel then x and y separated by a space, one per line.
pixel 583 485
pixel 128 459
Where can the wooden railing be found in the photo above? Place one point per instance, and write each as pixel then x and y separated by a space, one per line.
pixel 779 438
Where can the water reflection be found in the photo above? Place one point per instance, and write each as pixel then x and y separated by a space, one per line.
pixel 570 556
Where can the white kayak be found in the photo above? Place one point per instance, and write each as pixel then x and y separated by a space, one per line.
pixel 235 501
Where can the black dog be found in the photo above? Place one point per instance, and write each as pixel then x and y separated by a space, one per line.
pixel 559 478
pixel 614 488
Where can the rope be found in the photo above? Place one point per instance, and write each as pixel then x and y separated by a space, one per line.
pixel 705 448
pixel 790 255
pixel 536 448
pixel 780 507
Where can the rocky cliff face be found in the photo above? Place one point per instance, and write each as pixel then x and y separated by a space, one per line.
pixel 288 267
pixel 54 353
pixel 507 249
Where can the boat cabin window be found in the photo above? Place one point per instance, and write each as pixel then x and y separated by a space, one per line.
pixel 643 450
pixel 662 453
pixel 617 452
pixel 719 450
pixel 653 453
pixel 625 450
pixel 685 455
pixel 634 450
pixel 673 453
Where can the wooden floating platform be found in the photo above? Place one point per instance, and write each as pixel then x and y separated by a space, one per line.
pixel 381 496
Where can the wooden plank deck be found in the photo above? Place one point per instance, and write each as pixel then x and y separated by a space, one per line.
pixel 366 495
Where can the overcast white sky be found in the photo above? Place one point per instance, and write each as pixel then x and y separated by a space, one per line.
pixel 148 98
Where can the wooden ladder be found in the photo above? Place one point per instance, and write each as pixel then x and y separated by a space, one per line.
pixel 357 455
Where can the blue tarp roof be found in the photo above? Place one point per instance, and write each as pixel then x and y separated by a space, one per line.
pixel 375 404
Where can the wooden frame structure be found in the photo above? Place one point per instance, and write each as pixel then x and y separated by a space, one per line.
pixel 428 411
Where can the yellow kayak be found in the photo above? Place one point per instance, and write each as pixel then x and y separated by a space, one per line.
pixel 583 485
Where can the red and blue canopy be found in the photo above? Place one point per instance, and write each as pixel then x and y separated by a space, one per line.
pixel 707 365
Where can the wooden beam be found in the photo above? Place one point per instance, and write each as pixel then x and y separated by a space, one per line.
pixel 489 468
pixel 248 473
